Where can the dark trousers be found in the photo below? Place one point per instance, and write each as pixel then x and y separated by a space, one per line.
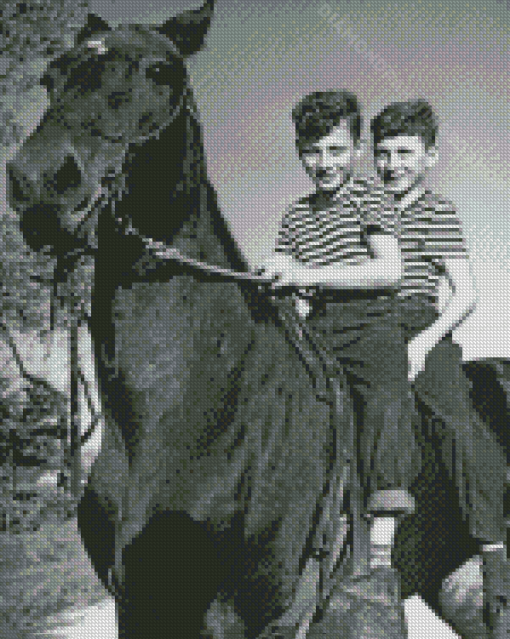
pixel 366 350
pixel 474 461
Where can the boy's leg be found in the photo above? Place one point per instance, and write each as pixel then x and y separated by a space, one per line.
pixel 364 341
pixel 475 461
pixel 373 358
pixel 367 343
pixel 388 457
pixel 477 466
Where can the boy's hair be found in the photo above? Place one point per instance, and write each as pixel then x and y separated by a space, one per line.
pixel 415 117
pixel 320 112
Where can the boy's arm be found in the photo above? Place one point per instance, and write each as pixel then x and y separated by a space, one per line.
pixel 383 270
pixel 450 249
pixel 461 304
pixel 279 259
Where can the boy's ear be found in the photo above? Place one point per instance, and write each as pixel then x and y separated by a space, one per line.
pixel 432 156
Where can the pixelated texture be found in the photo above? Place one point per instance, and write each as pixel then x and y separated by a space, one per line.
pixel 269 142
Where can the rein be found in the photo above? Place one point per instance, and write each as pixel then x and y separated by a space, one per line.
pixel 168 253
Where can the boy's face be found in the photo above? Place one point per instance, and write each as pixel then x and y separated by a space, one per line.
pixel 329 160
pixel 402 162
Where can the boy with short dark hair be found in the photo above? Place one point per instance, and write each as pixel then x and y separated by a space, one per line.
pixel 345 272
pixel 432 243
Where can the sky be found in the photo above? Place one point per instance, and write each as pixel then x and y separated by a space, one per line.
pixel 262 56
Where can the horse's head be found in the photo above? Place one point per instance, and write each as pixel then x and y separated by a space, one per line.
pixel 116 88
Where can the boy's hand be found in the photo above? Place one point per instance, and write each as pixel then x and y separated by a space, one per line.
pixel 273 265
pixel 417 350
pixel 285 271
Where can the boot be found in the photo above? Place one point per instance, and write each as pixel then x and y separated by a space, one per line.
pixel 363 607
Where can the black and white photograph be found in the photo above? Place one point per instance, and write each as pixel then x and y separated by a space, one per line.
pixel 255 319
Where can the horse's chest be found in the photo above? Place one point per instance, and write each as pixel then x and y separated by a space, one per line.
pixel 163 336
pixel 153 340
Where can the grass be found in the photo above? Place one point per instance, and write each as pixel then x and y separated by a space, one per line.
pixel 44 571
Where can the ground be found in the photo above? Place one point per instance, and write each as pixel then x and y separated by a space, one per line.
pixel 48 587
pixel 44 572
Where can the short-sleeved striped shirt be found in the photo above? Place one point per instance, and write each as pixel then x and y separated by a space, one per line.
pixel 318 230
pixel 430 232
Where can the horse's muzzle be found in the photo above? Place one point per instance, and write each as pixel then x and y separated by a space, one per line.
pixel 51 185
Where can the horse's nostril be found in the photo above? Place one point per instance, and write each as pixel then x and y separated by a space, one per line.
pixel 18 187
pixel 67 177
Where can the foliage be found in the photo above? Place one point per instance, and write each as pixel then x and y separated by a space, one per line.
pixel 31 33
pixel 30 423
pixel 32 283
pixel 25 279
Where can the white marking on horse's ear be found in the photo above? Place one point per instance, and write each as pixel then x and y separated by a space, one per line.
pixel 99 45
pixel 94 25
pixel 188 29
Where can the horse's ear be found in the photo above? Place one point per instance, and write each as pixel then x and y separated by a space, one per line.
pixel 94 24
pixel 188 29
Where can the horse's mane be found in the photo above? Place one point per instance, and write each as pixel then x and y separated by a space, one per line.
pixel 165 191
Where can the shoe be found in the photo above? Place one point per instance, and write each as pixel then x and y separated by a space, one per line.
pixel 363 607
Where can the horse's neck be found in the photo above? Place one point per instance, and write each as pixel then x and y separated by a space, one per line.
pixel 168 197
pixel 205 235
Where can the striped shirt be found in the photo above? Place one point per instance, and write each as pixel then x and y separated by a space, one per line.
pixel 430 232
pixel 321 230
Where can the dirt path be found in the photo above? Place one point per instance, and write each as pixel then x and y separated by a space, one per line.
pixel 98 622
pixel 43 573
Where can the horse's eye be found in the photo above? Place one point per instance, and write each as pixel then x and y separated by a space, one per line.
pixel 161 73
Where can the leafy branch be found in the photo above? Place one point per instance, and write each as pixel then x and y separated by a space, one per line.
pixel 31 34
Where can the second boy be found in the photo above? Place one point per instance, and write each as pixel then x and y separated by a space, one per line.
pixel 404 138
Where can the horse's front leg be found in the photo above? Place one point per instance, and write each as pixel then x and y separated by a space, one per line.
pixel 172 574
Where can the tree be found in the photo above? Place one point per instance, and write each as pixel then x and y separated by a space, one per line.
pixel 33 417
pixel 31 34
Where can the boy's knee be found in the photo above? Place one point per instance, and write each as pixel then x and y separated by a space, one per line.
pixel 391 501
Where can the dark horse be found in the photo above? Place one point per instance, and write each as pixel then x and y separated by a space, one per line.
pixel 207 481
pixel 215 464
